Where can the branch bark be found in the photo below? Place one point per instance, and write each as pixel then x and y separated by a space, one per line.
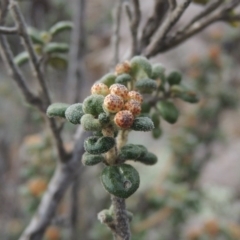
pixel 63 177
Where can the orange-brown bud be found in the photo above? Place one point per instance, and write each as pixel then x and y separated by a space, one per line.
pixel 120 90
pixel 37 186
pixel 124 119
pixel 121 68
pixel 53 233
pixel 133 106
pixel 113 103
pixel 100 89
pixel 135 96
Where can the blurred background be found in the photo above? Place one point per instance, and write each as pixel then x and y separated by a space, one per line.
pixel 192 193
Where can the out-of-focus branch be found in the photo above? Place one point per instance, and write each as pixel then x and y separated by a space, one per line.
pixel 63 177
pixel 212 6
pixel 117 13
pixel 170 21
pixel 134 21
pixel 8 30
pixel 36 67
pixel 17 76
pixel 221 14
pixel 172 4
pixel 22 28
pixel 76 72
pixel 153 23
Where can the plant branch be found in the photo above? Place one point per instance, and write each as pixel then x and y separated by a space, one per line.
pixel 120 218
pixel 222 14
pixel 17 76
pixel 134 21
pixel 22 27
pixel 76 73
pixel 116 31
pixel 8 30
pixel 170 21
pixel 63 177
pixel 152 24
pixel 172 4
pixel 212 6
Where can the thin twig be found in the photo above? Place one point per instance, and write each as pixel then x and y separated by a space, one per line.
pixel 64 175
pixel 134 21
pixel 120 218
pixel 168 24
pixel 22 27
pixel 76 70
pixel 17 76
pixel 212 6
pixel 8 30
pixel 222 14
pixel 154 22
pixel 116 31
pixel 172 4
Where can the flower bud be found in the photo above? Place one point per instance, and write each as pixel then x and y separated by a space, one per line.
pixel 122 68
pixel 124 119
pixel 135 96
pixel 133 106
pixel 119 90
pixel 100 89
pixel 113 103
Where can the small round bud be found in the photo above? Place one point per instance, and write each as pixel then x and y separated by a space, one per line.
pixel 120 90
pixel 122 68
pixel 133 106
pixel 113 103
pixel 124 119
pixel 135 96
pixel 100 89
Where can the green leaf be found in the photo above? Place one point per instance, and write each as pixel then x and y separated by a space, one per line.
pixel 144 124
pixel 157 132
pixel 108 79
pixel 174 78
pixel 57 110
pixel 90 159
pixel 123 78
pixel 168 111
pixel 120 180
pixel 90 123
pixel 96 145
pixel 158 72
pixel 60 27
pixel 140 67
pixel 148 159
pixel 146 85
pixel 74 113
pixel 54 47
pixel 58 61
pixel 130 152
pixel 21 58
pixel 93 104
pixel 35 35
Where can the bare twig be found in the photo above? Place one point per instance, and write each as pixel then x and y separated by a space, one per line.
pixel 116 31
pixel 172 4
pixel 120 218
pixel 22 27
pixel 63 177
pixel 8 30
pixel 76 70
pixel 153 23
pixel 74 209
pixel 17 76
pixel 134 20
pixel 212 6
pixel 167 25
pixel 222 14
